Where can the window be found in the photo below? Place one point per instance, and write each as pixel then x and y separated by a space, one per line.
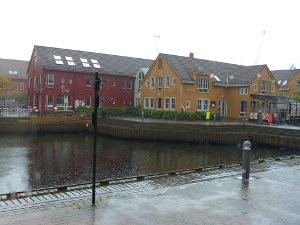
pixel 16 85
pixel 147 83
pixel 34 81
pixel 58 60
pixel 254 106
pixel 173 103
pixel 243 91
pixel 140 78
pixel 159 83
pixel 21 86
pixel 158 103
pixel 151 82
pixel 88 83
pixel 123 85
pixel 297 86
pixel 255 87
pixel 167 103
pixel 49 102
pixel 203 84
pixel 95 63
pixel 34 63
pixel 50 80
pixel 187 104
pixel 243 108
pixel 40 79
pixel 146 103
pixel 151 103
pixel 88 101
pixel 114 102
pixel 70 61
pixel 70 81
pixel 114 84
pixel 62 80
pixel 84 62
pixel 263 87
pixel 130 85
pixel 202 104
pixel 167 81
pixel 123 102
pixel 173 81
pixel 273 89
pixel 129 102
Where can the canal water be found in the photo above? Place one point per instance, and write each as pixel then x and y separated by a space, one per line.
pixel 36 161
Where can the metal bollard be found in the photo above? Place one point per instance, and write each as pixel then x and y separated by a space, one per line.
pixel 214 119
pixel 142 116
pixel 246 160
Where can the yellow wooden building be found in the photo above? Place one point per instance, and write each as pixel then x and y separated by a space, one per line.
pixel 178 83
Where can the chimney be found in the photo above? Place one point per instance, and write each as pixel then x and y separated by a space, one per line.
pixel 191 55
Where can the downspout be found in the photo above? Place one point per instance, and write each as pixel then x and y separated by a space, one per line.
pixel 227 93
pixel 180 96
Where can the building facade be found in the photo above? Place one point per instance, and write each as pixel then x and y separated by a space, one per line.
pixel 63 79
pixel 177 83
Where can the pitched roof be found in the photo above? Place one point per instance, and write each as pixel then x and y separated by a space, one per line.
pixel 283 76
pixel 242 75
pixel 14 68
pixel 110 64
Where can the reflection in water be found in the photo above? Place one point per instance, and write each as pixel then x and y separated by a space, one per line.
pixel 30 161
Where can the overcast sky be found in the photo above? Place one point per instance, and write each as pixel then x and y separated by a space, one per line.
pixel 226 31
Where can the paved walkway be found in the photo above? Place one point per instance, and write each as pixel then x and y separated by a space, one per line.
pixel 215 196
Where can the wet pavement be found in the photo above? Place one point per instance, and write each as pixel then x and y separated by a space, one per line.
pixel 212 196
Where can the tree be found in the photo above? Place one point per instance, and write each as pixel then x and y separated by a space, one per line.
pixel 5 83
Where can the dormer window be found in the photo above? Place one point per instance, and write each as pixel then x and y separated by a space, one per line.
pixel 203 84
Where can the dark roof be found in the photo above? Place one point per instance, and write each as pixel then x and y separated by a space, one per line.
pixel 14 68
pixel 242 75
pixel 283 76
pixel 110 64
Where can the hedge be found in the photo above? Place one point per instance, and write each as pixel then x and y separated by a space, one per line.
pixel 148 113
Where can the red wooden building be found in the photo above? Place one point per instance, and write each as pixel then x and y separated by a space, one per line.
pixel 64 78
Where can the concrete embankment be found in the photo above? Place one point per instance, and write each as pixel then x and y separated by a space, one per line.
pixel 160 130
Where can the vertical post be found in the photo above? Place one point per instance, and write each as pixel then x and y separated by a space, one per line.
pixel 214 119
pixel 246 160
pixel 143 115
pixel 244 119
pixel 95 117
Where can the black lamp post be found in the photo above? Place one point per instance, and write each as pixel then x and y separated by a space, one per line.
pixel 95 115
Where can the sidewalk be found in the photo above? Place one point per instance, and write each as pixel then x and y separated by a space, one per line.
pixel 215 196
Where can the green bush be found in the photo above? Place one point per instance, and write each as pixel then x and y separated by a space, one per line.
pixel 150 113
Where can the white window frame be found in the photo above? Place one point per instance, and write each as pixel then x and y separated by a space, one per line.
pixel 147 83
pixel 48 106
pixel 88 100
pixel 146 103
pixel 166 103
pixel 172 103
pixel 243 91
pixel 173 81
pixel 151 103
pixel 129 86
pixel 16 85
pixel 243 113
pixel 167 81
pixel 187 104
pixel 159 83
pixel 203 84
pixel 273 89
pixel 152 82
pixel 123 85
pixel 50 84
pixel 88 83
pixel 203 105
pixel 255 87
pixel 21 86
